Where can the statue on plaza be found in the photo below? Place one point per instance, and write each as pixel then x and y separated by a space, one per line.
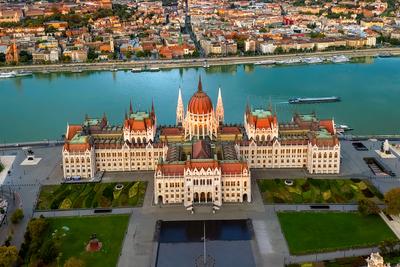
pixel 94 244
pixel 385 147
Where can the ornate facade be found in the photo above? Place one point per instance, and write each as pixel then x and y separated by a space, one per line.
pixel 201 159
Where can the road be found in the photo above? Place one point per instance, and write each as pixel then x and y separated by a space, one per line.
pixel 212 61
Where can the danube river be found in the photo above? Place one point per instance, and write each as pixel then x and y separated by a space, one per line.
pixel 39 107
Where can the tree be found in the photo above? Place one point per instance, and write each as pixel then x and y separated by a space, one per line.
pixel 140 54
pixel 36 228
pixel 8 256
pixel 388 247
pixel 392 200
pixel 24 56
pixel 17 216
pixel 74 262
pixel 66 59
pixel 368 207
pixel 49 251
pixel 92 55
pixel 2 57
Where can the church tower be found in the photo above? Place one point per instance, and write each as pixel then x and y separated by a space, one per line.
pixel 219 111
pixel 179 109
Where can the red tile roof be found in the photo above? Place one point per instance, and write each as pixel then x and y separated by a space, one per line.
pixel 72 130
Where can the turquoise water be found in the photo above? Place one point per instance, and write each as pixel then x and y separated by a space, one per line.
pixel 39 107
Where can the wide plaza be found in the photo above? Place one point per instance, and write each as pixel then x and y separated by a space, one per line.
pixel 269 245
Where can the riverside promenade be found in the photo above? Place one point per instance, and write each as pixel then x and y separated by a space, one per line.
pixel 195 62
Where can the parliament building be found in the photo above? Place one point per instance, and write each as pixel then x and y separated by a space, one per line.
pixel 201 159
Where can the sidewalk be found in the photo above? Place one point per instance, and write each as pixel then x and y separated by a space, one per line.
pixel 329 255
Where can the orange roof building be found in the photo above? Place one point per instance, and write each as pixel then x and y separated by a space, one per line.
pixel 201 159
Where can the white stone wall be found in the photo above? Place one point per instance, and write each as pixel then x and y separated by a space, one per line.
pixel 191 187
pixel 292 156
pixel 79 164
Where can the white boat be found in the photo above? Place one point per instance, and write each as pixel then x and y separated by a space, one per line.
pixel 265 62
pixel 339 59
pixel 4 75
pixel 154 69
pixel 78 70
pixel 114 69
pixel 341 128
pixel 312 60
pixel 23 73
pixel 136 69
pixel 291 61
pixel 206 65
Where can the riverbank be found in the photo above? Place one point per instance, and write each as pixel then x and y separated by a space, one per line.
pixel 177 63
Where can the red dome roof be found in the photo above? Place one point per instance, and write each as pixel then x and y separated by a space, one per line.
pixel 200 103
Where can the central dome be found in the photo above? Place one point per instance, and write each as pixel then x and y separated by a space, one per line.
pixel 200 103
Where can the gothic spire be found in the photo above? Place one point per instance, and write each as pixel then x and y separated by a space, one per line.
pixel 199 86
pixel 179 108
pixel 130 107
pixel 220 107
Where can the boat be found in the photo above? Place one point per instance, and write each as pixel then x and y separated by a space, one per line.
pixel 312 100
pixel 136 69
pixel 23 73
pixel 4 75
pixel 341 128
pixel 385 54
pixel 206 65
pixel 339 59
pixel 291 61
pixel 77 70
pixel 113 69
pixel 265 62
pixel 154 69
pixel 312 60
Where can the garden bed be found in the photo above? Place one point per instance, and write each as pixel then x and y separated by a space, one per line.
pixel 91 195
pixel 315 232
pixel 308 191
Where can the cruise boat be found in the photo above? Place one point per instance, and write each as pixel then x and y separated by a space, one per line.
pixel 265 62
pixel 4 75
pixel 312 100
pixel 136 69
pixel 77 70
pixel 312 60
pixel 385 54
pixel 341 128
pixel 154 69
pixel 339 59
pixel 291 61
pixel 24 73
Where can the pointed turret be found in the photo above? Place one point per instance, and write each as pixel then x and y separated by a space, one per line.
pixel 126 115
pixel 219 111
pixel 130 107
pixel 270 104
pixel 104 120
pixel 200 85
pixel 179 108
pixel 153 111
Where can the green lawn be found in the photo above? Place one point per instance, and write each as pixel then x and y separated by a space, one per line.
pixel 91 195
pixel 309 232
pixel 318 191
pixel 110 230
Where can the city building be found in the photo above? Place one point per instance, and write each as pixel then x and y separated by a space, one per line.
pixel 201 159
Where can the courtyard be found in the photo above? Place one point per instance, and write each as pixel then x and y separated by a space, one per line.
pixel 74 233
pixel 309 190
pixel 314 232
pixel 91 195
